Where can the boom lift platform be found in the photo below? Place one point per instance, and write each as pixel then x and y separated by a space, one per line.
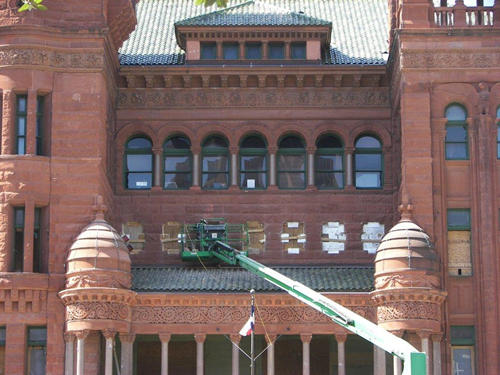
pixel 212 239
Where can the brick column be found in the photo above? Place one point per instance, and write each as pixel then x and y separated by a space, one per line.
pixel 234 166
pixel 426 348
pixel 349 173
pixel 436 354
pixel 235 362
pixel 109 335
pixel 219 51
pixel 15 349
pixel 80 351
pixel 29 222
pixel 127 341
pixel 69 339
pixel 270 339
pixel 31 123
pixel 200 340
pixel 306 357
pixel 164 338
pixel 158 153
pixel 272 166
pixel 310 166
pixel 196 168
pixel 8 121
pixel 341 339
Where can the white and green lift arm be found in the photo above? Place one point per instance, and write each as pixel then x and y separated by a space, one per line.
pixel 414 362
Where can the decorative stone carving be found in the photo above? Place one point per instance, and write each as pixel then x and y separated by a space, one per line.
pixel 97 310
pixel 404 310
pixel 416 280
pixel 241 97
pixel 96 279
pixel 446 59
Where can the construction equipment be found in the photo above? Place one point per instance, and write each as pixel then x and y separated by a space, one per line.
pixel 209 244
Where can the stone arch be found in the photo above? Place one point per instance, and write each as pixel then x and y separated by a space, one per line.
pixel 370 129
pixel 459 93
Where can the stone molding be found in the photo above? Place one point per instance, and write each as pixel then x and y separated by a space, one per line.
pixel 95 278
pixel 20 300
pixel 97 311
pixel 55 58
pixel 235 97
pixel 415 279
pixel 450 59
pixel 406 310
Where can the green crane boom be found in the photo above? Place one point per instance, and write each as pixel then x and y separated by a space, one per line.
pixel 414 362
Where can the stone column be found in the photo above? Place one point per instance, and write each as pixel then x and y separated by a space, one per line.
pixel 164 338
pixel 348 151
pixel 80 351
pixel 426 348
pixel 157 152
pixel 379 367
pixel 69 339
pixel 436 354
pixel 196 168
pixel 235 362
pixel 272 166
pixel 31 123
pixel 341 339
pixel 310 166
pixel 398 366
pixel 8 121
pixel 200 340
pixel 109 335
pixel 270 339
pixel 234 166
pixel 29 224
pixel 306 357
pixel 127 341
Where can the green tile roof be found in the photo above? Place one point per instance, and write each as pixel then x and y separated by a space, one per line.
pixel 253 13
pixel 234 280
pixel 359 29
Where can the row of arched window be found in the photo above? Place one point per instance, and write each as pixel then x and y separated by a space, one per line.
pixel 255 170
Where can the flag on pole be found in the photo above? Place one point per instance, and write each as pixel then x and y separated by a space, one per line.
pixel 249 325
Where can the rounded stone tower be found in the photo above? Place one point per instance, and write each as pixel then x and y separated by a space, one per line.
pixel 407 292
pixel 97 294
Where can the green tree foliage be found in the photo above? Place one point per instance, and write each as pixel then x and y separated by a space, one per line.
pixel 207 3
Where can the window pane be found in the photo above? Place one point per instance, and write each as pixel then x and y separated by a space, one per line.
pixel 498 112
pixel 455 113
pixel 253 163
pixel 459 218
pixel 298 51
pixel 2 360
pixel 2 336
pixel 368 179
pixel 253 142
pixel 462 361
pixel 208 51
pixel 368 162
pixel 21 125
pixel 456 134
pixel 215 180
pixel 329 180
pixel 254 51
pixel 367 142
pixel 177 180
pixel 456 151
pixel 215 164
pixel 253 180
pixel 139 143
pixel 215 142
pixel 231 51
pixel 139 180
pixel 291 162
pixel 21 146
pixel 36 359
pixel 177 143
pixel 292 180
pixel 136 163
pixel 329 141
pixel 178 163
pixel 37 334
pixel 329 162
pixel 291 142
pixel 21 103
pixel 19 217
pixel 276 51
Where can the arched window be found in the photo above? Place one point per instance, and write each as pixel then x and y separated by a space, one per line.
pixel 253 163
pixel 329 163
pixel 368 164
pixel 291 163
pixel 139 163
pixel 177 165
pixel 456 142
pixel 215 163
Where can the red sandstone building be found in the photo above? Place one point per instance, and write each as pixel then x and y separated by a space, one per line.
pixel 320 125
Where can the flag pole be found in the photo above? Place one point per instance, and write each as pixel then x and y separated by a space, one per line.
pixel 252 353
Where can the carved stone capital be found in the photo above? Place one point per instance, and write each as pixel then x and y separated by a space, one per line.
pixel 200 338
pixel 69 337
pixel 164 337
pixel 270 339
pixel 235 338
pixel 341 337
pixel 82 335
pixel 109 333
pixel 127 337
pixel 306 337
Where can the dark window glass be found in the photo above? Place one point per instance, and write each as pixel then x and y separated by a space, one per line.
pixel 177 163
pixel 253 51
pixel 208 51
pixel 368 164
pixel 298 51
pixel 215 164
pixel 455 113
pixel 458 219
pixel 329 164
pixel 37 251
pixel 456 141
pixel 139 164
pixel 462 335
pixel 37 353
pixel 39 124
pixel 21 116
pixel 2 350
pixel 463 360
pixel 231 51
pixel 18 239
pixel 276 51
pixel 253 163
pixel 291 163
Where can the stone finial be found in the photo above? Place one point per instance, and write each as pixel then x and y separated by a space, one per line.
pixel 406 211
pixel 99 208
